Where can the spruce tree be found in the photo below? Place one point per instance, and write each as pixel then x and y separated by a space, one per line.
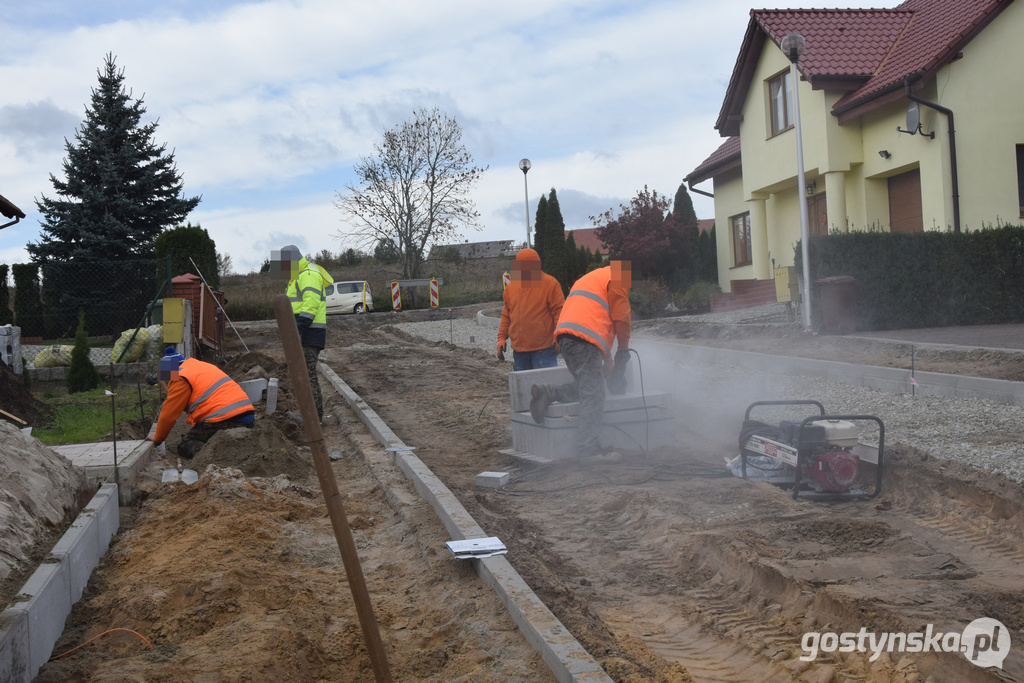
pixel 556 264
pixel 121 189
pixel 540 228
pixel 82 375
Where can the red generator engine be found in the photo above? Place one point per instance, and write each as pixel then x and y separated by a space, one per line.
pixel 821 454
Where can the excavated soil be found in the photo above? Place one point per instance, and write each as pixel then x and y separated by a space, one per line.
pixel 662 565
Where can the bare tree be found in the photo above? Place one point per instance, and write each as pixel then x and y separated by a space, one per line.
pixel 413 190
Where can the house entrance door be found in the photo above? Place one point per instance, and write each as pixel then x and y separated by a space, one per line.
pixel 905 202
pixel 817 215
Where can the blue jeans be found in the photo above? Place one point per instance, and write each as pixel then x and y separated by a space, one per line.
pixel 531 360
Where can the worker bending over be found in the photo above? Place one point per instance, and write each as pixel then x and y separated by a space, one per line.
pixel 533 301
pixel 596 314
pixel 212 400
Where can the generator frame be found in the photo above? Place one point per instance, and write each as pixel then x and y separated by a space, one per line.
pixel 797 456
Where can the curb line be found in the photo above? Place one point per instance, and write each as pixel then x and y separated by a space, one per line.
pixel 568 660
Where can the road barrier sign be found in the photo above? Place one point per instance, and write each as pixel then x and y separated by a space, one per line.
pixel 396 296
pixel 505 279
pixel 433 293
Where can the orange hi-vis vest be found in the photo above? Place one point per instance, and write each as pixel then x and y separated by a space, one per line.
pixel 587 313
pixel 215 396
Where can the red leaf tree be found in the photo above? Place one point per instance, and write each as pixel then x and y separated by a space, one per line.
pixel 641 233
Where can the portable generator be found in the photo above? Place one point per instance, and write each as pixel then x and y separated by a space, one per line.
pixel 820 455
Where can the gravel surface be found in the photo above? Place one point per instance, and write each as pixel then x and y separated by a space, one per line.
pixel 984 434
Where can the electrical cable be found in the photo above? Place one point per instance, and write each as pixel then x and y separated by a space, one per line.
pixel 103 634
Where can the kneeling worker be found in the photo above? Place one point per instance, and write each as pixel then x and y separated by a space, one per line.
pixel 212 400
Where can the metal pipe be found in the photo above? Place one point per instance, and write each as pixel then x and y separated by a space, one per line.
pixel 952 151
pixel 329 485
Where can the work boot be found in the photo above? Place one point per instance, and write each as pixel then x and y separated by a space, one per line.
pixel 540 399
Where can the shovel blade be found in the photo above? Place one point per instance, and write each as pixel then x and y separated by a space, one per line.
pixel 189 476
pixel 170 475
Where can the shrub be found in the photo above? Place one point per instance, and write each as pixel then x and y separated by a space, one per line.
pixel 648 299
pixel 698 295
pixel 82 375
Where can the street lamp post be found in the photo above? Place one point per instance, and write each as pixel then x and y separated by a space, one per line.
pixel 794 45
pixel 524 166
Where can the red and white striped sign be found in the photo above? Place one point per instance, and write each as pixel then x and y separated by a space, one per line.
pixel 505 279
pixel 433 293
pixel 396 296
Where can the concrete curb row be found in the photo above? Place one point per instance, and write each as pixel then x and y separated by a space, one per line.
pixel 568 660
pixel 872 376
pixel 29 629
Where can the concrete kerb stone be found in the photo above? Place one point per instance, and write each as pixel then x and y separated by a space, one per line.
pixel 15 663
pixel 568 660
pixel 30 628
pixel 871 376
pixel 489 317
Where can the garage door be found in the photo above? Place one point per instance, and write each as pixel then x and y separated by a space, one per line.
pixel 905 202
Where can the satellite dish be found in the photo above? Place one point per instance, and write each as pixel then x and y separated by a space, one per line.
pixel 913 117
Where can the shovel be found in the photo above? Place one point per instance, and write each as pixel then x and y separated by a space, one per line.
pixel 178 474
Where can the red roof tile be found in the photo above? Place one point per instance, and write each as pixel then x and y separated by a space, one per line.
pixel 722 159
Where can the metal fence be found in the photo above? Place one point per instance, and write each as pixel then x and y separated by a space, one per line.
pixel 113 295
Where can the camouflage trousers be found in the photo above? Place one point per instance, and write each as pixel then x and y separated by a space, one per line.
pixel 312 356
pixel 194 440
pixel 586 363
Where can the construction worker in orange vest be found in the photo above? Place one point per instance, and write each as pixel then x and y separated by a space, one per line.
pixel 532 303
pixel 595 315
pixel 212 400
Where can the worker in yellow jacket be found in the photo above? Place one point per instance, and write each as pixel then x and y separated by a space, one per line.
pixel 596 315
pixel 306 284
pixel 211 399
pixel 532 303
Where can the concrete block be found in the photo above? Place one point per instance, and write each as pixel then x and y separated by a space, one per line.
pixel 628 430
pixel 253 388
pixel 108 515
pixel 15 665
pixel 492 480
pixel 519 384
pixel 48 605
pixel 79 548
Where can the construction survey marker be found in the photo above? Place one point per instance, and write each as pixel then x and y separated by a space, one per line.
pixel 398 285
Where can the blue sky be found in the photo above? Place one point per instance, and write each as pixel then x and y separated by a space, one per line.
pixel 268 105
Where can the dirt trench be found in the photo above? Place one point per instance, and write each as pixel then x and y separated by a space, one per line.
pixel 663 566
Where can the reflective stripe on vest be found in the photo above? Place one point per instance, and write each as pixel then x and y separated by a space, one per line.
pixel 586 314
pixel 206 394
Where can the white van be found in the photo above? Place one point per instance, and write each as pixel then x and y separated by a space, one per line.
pixel 349 297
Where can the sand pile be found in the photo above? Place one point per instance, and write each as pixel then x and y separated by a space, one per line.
pixel 41 491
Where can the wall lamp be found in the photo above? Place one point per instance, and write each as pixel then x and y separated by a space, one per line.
pixel 884 154
pixel 811 187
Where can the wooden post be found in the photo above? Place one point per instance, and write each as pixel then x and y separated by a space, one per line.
pixel 329 485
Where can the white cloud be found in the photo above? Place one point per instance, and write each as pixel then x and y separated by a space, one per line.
pixel 267 105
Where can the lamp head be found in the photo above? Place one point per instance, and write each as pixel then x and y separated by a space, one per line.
pixel 793 45
pixel 524 165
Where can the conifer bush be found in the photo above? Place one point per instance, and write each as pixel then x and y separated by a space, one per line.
pixel 82 375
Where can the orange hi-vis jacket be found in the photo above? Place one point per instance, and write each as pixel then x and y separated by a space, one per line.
pixel 597 311
pixel 530 313
pixel 204 392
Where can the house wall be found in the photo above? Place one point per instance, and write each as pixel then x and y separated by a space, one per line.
pixel 985 91
pixel 729 201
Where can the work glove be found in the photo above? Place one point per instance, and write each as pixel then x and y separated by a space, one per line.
pixel 501 350
pixel 617 377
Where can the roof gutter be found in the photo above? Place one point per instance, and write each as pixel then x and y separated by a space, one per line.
pixel 952 150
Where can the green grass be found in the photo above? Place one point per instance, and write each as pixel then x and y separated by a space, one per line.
pixel 86 417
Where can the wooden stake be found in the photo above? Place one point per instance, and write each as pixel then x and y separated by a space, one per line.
pixel 329 485
pixel 13 417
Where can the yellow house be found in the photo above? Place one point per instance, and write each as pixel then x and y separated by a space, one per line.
pixel 911 119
